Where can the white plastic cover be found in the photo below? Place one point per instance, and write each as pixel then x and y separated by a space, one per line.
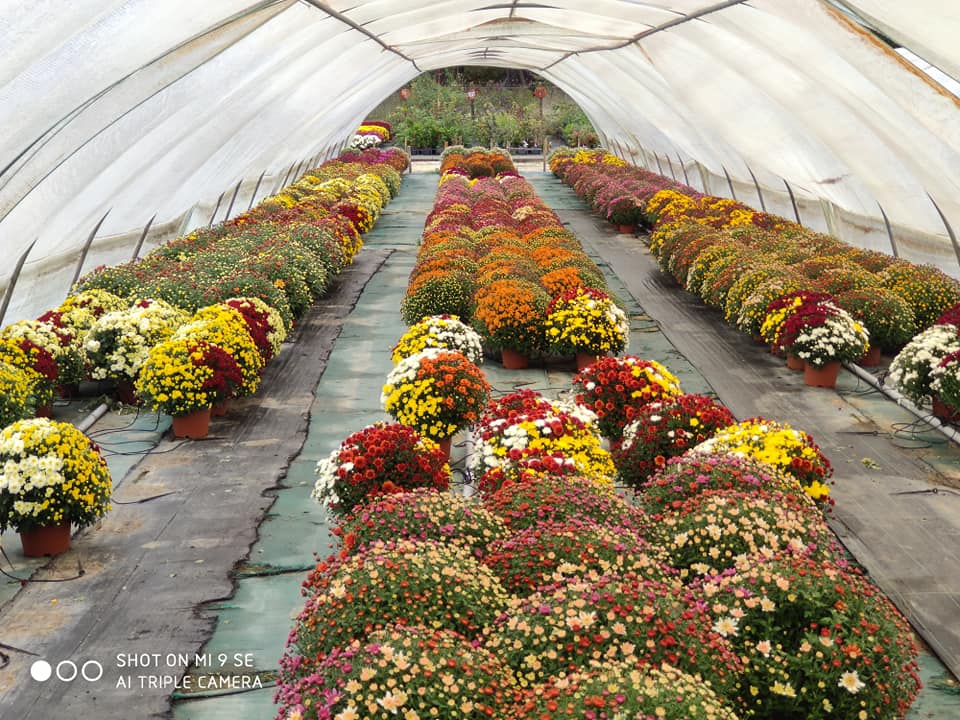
pixel 138 108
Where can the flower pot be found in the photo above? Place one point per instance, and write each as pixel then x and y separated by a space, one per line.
pixel 44 411
pixel 445 446
pixel 194 425
pixel 871 358
pixel 625 229
pixel 46 540
pixel 795 363
pixel 70 390
pixel 825 377
pixel 943 411
pixel 126 393
pixel 512 360
pixel 220 409
pixel 585 359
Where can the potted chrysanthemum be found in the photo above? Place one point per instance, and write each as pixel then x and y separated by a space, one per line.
pixel 184 378
pixel 52 476
pixel 509 316
pixel 118 343
pixel 437 392
pixel 586 322
pixel 440 331
pixel 823 336
pixel 381 459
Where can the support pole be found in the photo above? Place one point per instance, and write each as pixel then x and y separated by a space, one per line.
pixel 143 237
pixel 886 222
pixel 793 201
pixel 763 205
pixel 233 199
pixel 670 165
pixel 86 248
pixel 733 193
pixel 255 189
pixel 215 209
pixel 283 183
pixel 946 223
pixel 686 178
pixel 11 283
pixel 659 166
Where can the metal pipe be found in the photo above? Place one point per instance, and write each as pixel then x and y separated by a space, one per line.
pixel 793 201
pixel 255 189
pixel 143 236
pixel 686 178
pixel 8 293
pixel 86 248
pixel 283 183
pixel 946 224
pixel 886 222
pixel 217 207
pixel 733 193
pixel 763 205
pixel 233 199
pixel 670 165
pixel 659 166
pixel 906 404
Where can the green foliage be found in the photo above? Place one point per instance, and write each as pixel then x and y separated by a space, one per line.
pixel 438 113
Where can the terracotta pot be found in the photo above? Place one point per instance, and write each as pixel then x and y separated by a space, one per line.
pixel 825 377
pixel 220 409
pixel 585 360
pixel 44 411
pixel 871 358
pixel 126 393
pixel 445 446
pixel 943 411
pixel 47 540
pixel 194 425
pixel 70 390
pixel 512 360
pixel 795 363
pixel 626 229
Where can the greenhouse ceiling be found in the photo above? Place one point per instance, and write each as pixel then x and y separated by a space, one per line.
pixel 118 112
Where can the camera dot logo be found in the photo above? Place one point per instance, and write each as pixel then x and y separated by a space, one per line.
pixel 41 671
pixel 66 671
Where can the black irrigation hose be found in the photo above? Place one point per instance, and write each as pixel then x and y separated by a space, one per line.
pixel 23 581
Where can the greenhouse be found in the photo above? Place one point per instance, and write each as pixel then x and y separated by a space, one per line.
pixel 468 360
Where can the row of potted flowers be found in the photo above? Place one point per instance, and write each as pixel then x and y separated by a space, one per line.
pixel 720 594
pixel 494 255
pixel 52 477
pixel 282 253
pixel 749 264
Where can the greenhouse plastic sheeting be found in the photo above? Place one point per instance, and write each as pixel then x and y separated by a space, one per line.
pixel 175 110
